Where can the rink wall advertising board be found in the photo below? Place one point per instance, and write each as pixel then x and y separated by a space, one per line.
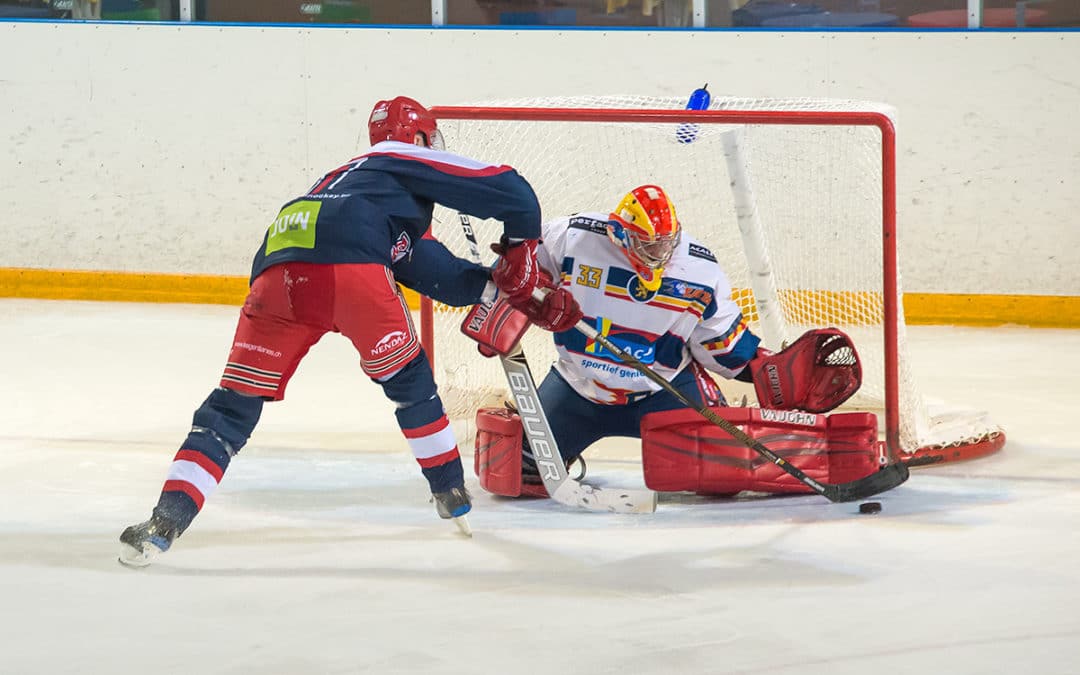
pixel 145 158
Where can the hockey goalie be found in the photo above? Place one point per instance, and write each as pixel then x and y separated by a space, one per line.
pixel 658 294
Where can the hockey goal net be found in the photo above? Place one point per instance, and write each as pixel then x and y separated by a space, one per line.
pixel 795 197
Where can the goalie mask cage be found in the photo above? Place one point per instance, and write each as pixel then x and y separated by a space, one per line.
pixel 795 197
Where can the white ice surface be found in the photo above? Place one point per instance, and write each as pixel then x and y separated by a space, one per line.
pixel 320 553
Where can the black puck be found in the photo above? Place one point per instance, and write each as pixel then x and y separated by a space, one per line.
pixel 870 507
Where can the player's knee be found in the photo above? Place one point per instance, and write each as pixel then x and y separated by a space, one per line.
pixel 413 384
pixel 413 391
pixel 229 417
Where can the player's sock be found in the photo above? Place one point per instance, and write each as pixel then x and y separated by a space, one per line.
pixel 423 422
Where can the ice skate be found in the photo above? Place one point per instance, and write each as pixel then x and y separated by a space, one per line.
pixel 454 504
pixel 139 544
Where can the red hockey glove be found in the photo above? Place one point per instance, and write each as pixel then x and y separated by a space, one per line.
pixel 517 272
pixel 816 373
pixel 558 312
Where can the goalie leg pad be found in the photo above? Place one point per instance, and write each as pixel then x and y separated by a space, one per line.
pixel 499 453
pixel 681 451
pixel 497 460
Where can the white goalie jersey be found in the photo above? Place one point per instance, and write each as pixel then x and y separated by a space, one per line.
pixel 690 316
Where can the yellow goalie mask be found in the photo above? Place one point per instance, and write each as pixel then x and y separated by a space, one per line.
pixel 645 227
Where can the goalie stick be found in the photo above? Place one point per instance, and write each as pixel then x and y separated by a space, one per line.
pixel 549 462
pixel 557 481
pixel 885 479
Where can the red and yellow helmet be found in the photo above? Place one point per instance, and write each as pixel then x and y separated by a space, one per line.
pixel 645 226
pixel 400 119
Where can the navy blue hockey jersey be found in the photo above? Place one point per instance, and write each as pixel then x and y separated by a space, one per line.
pixel 378 206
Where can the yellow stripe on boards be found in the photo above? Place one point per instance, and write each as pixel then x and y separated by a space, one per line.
pixel 1041 311
pixel 814 307
pixel 122 286
pixel 131 287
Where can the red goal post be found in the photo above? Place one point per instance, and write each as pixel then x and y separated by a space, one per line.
pixel 837 158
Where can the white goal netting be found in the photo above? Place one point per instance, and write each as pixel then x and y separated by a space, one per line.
pixel 794 210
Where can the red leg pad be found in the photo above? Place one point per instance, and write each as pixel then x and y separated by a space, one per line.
pixel 497 460
pixel 681 451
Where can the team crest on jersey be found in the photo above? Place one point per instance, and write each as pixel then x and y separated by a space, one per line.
pixel 401 247
pixel 638 292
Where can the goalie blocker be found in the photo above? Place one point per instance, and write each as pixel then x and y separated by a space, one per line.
pixel 680 451
pixel 495 326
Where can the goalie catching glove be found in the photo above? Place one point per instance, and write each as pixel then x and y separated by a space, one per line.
pixel 816 373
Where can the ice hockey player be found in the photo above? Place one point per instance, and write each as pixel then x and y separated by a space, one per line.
pixel 328 263
pixel 660 295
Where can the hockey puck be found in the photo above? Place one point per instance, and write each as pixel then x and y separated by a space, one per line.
pixel 870 507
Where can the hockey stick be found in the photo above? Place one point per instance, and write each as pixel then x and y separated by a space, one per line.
pixel 876 483
pixel 549 463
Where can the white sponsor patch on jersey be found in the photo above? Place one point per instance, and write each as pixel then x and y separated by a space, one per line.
pixel 389 342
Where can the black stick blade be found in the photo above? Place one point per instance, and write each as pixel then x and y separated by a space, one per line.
pixel 874 484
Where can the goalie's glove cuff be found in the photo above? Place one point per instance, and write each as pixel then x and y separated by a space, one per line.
pixel 747 373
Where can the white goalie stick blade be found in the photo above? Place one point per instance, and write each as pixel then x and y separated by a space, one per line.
pixel 576 493
pixel 549 462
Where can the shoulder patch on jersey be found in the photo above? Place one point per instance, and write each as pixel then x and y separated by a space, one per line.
pixel 590 224
pixel 699 251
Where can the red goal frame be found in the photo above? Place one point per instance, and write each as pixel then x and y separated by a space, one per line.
pixel 890 297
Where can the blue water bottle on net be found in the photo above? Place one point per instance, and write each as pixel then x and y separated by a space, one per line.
pixel 699 100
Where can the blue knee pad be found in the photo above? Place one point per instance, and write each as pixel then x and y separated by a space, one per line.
pixel 229 417
pixel 413 391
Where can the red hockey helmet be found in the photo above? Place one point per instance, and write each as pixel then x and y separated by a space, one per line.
pixel 400 119
pixel 645 226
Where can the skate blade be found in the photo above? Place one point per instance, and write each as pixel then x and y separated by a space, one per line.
pixel 463 526
pixel 133 557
